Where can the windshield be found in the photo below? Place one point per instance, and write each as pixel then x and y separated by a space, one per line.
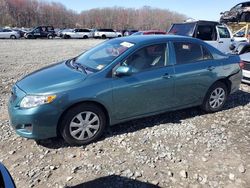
pixel 186 29
pixel 102 55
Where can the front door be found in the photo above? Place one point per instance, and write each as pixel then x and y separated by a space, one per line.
pixel 149 88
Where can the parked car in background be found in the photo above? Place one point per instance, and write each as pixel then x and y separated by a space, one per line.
pixel 9 34
pixel 214 33
pixel 41 32
pixel 128 32
pixel 106 33
pixel 6 180
pixel 246 68
pixel 77 34
pixel 62 31
pixel 239 13
pixel 119 80
pixel 20 31
pixel 150 32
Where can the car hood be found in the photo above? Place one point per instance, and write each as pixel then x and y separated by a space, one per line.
pixel 51 79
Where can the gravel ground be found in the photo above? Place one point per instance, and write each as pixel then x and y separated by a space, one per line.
pixel 186 148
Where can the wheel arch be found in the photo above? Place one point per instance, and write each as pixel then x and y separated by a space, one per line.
pixel 100 105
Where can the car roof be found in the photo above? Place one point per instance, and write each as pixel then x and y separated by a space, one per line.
pixel 200 21
pixel 145 39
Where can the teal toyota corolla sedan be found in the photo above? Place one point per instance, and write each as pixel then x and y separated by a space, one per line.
pixel 119 80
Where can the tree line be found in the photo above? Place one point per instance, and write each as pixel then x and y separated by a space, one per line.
pixel 29 13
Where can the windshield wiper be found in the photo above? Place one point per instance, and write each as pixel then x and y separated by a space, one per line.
pixel 78 66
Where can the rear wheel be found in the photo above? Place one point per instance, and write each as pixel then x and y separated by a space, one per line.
pixel 13 37
pixel 85 37
pixel 83 124
pixel 215 97
pixel 104 36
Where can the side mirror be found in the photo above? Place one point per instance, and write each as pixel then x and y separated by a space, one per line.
pixel 221 13
pixel 123 71
pixel 5 178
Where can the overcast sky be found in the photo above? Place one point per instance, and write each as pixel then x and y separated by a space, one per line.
pixel 197 9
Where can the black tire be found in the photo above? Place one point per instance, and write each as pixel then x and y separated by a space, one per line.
pixel 70 117
pixel 50 37
pixel 12 37
pixel 85 37
pixel 66 37
pixel 104 36
pixel 206 106
pixel 30 37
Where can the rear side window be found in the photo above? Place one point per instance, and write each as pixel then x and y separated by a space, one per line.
pixel 190 52
pixel 223 32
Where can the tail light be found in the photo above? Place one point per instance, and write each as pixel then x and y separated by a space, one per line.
pixel 242 64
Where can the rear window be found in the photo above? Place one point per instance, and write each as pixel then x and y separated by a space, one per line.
pixel 186 29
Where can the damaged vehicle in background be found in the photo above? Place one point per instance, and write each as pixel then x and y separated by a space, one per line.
pixel 9 34
pixel 239 13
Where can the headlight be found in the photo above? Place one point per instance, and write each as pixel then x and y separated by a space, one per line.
pixel 30 101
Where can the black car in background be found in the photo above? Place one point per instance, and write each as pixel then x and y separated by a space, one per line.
pixel 239 13
pixel 41 32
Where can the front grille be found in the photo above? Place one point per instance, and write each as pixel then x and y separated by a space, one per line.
pixel 247 66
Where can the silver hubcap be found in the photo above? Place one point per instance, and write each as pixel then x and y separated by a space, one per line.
pixel 84 125
pixel 217 98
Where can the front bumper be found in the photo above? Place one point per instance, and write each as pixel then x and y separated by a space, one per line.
pixel 36 123
pixel 246 76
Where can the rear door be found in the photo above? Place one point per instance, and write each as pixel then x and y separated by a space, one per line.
pixel 195 71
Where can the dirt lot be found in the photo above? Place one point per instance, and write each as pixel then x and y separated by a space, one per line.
pixel 186 148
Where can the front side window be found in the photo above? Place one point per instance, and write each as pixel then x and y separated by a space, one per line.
pixel 223 32
pixel 102 55
pixel 186 52
pixel 147 58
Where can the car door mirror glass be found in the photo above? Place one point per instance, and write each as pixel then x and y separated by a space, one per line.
pixel 123 71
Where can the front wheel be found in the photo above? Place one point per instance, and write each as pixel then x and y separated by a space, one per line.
pixel 83 124
pixel 215 97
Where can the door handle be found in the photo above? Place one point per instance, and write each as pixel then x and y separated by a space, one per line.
pixel 210 68
pixel 167 76
pixel 221 42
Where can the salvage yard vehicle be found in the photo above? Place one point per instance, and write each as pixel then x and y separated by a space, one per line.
pixel 77 34
pixel 214 33
pixel 9 34
pixel 119 80
pixel 239 13
pixel 106 33
pixel 41 32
